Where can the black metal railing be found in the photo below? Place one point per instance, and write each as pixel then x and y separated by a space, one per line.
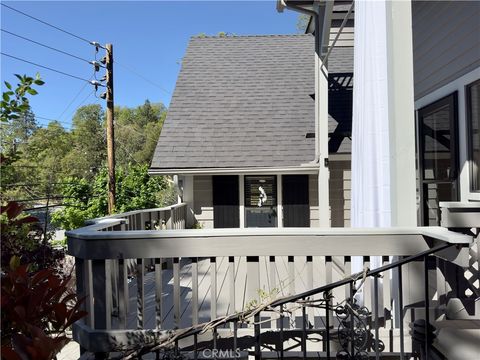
pixel 353 337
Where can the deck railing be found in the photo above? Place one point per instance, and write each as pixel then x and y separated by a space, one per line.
pixel 183 278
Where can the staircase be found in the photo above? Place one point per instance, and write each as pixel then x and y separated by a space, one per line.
pixel 458 328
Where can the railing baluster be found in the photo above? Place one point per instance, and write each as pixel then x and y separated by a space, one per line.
pixel 231 278
pixel 400 311
pixel 281 332
pixel 80 281
pixel 309 284
pixel 176 292
pixel 158 293
pixel 89 292
pixel 213 288
pixel 140 294
pixel 215 337
pixel 194 291
pixel 352 320
pixel 122 293
pixel 273 285
pixel 427 309
pixel 387 301
pixel 102 311
pixel 235 335
pixel 253 278
pixel 367 285
pixel 375 304
pixel 256 327
pixel 108 291
pixel 114 284
pixel 328 280
pixel 195 346
pixel 327 325
pixel 304 330
pixel 291 275
pixel 348 272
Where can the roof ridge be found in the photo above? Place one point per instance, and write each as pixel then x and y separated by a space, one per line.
pixel 247 36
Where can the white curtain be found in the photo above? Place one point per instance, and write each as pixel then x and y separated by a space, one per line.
pixel 370 129
pixel 370 135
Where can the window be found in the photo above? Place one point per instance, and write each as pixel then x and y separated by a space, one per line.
pixel 473 114
pixel 260 201
pixel 438 156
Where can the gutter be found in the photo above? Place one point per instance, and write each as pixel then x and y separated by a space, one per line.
pixel 302 169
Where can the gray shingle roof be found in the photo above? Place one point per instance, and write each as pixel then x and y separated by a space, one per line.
pixel 244 102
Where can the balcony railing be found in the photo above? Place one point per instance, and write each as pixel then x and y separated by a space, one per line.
pixel 271 293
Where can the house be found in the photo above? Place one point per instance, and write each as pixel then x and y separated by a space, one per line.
pixel 240 132
pixel 248 281
pixel 260 122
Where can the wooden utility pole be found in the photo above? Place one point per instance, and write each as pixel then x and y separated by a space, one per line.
pixel 110 131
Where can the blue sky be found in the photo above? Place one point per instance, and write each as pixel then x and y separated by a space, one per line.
pixel 149 38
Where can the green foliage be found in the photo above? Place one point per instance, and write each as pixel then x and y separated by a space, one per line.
pixel 87 153
pixel 68 167
pixel 16 122
pixel 137 131
pixel 36 310
pixel 302 23
pixel 16 133
pixel 221 34
pixel 22 238
pixel 14 103
pixel 88 199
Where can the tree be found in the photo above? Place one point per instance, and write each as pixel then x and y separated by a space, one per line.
pixel 15 115
pixel 16 133
pixel 42 159
pixel 302 23
pixel 137 132
pixel 84 200
pixel 88 143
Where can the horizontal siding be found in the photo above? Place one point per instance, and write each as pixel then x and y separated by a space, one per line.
pixel 340 193
pixel 203 201
pixel 346 36
pixel 446 42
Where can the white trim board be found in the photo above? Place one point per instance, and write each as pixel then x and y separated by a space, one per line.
pixel 307 169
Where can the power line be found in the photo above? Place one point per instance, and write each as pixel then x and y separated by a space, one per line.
pixel 40 183
pixel 82 102
pixel 51 69
pixel 47 46
pixel 75 98
pixel 53 120
pixel 48 24
pixel 42 118
pixel 143 77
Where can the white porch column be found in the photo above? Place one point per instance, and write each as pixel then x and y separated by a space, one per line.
pixel 401 113
pixel 321 123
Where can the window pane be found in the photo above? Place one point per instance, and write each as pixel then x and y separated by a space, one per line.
pixel 474 117
pixel 260 201
pixel 438 155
